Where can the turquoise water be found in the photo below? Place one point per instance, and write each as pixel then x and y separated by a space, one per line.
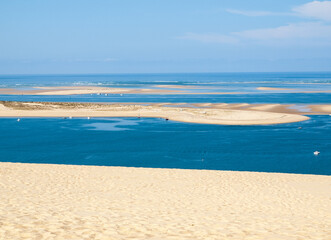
pixel 166 144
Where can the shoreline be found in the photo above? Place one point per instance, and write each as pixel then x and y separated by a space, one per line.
pixel 165 168
pixel 293 108
pixel 225 116
pixel 75 202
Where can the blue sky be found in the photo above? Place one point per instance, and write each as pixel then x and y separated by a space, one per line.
pixel 148 36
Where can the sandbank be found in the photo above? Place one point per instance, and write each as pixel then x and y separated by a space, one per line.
pixel 303 109
pixel 182 86
pixel 161 89
pixel 76 90
pixel 322 108
pixel 274 89
pixel 191 115
pixel 43 201
pixel 292 90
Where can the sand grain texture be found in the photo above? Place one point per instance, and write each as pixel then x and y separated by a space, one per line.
pixel 89 202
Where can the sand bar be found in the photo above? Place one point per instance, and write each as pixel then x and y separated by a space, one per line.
pixel 161 89
pixel 323 108
pixel 292 90
pixel 191 115
pixel 40 201
pixel 274 89
pixel 305 109
pixel 75 90
pixel 183 86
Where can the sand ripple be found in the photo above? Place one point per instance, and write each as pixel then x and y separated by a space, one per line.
pixel 85 202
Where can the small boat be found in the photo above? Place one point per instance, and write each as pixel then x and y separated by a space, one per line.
pixel 316 153
pixel 88 118
pixel 18 119
pixel 70 117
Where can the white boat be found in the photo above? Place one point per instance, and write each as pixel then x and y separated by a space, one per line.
pixel 316 153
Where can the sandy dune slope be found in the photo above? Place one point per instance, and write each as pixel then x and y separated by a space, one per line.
pixel 87 202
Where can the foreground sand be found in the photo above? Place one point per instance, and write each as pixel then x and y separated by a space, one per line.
pixel 193 115
pixel 88 202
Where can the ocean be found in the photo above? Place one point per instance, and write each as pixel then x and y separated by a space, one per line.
pixel 157 143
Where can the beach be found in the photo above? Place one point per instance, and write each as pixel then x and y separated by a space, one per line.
pixel 165 120
pixel 41 201
pixel 192 115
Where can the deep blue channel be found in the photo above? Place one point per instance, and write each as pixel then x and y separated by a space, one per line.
pixel 157 143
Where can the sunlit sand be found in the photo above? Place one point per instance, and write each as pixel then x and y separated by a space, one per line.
pixel 90 202
pixel 192 115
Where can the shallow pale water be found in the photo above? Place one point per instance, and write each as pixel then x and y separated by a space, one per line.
pixel 282 98
pixel 240 80
pixel 246 83
pixel 166 144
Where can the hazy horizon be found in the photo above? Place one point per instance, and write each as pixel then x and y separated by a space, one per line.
pixel 163 73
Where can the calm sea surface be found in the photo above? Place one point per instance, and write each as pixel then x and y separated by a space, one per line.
pixel 156 143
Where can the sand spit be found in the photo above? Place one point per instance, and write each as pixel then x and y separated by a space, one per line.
pixel 292 90
pixel 181 86
pixel 192 115
pixel 75 90
pixel 326 108
pixel 305 109
pixel 160 89
pixel 40 201
pixel 274 89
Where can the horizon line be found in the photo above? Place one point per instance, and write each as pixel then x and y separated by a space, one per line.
pixel 165 73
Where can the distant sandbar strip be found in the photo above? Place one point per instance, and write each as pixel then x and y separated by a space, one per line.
pixel 102 90
pixel 158 89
